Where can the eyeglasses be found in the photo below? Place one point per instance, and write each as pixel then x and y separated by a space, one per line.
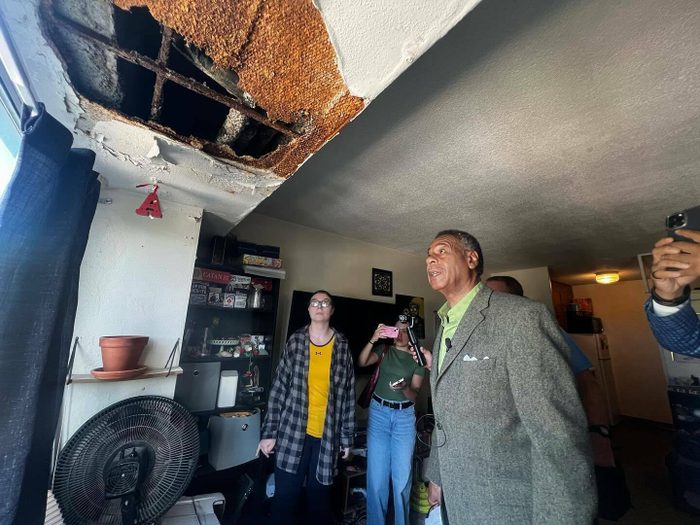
pixel 320 304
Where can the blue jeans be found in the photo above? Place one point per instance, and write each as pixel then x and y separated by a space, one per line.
pixel 391 436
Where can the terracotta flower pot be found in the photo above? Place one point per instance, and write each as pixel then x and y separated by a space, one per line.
pixel 121 352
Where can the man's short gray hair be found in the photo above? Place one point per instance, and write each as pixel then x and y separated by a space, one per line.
pixel 469 243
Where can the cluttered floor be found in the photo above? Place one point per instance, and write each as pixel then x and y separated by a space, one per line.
pixel 642 448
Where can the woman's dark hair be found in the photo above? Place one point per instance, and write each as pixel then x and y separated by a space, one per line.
pixel 324 292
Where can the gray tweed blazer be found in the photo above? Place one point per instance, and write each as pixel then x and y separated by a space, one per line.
pixel 516 447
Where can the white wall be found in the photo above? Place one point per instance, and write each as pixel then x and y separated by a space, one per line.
pixel 316 259
pixel 135 280
pixel 536 284
pixel 639 375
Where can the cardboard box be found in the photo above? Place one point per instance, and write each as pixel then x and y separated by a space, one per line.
pixel 240 282
pixel 229 300
pixel 198 292
pixel 240 300
pixel 257 260
pixel 216 296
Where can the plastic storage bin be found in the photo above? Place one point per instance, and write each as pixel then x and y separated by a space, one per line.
pixel 234 438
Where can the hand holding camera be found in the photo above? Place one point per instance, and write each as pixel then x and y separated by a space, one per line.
pixel 676 259
pixel 389 332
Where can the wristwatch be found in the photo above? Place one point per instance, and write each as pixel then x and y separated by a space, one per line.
pixel 600 429
pixel 672 302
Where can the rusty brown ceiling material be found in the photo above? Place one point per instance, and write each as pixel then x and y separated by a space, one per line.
pixel 283 57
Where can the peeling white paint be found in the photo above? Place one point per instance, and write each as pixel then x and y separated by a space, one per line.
pixel 376 41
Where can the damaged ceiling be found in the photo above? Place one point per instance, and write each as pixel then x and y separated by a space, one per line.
pixel 294 72
pixel 252 81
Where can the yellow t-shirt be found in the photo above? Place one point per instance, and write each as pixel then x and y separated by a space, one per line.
pixel 319 381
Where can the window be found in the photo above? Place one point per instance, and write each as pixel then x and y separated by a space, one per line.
pixel 9 129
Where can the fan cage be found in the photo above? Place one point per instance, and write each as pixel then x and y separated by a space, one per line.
pixel 165 426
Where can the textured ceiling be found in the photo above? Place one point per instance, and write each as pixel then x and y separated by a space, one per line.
pixel 559 133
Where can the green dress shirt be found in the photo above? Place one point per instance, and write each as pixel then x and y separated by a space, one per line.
pixel 450 319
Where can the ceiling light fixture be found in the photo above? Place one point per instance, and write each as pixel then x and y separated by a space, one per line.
pixel 607 277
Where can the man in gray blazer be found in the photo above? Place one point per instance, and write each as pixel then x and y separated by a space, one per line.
pixel 511 443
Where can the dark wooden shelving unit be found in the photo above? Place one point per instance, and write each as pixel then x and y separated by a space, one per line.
pixel 230 324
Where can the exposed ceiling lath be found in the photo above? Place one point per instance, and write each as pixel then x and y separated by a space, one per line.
pixel 255 82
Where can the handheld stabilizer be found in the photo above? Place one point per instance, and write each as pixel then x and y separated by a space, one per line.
pixel 412 338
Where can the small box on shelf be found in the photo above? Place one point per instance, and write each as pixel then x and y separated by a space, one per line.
pixel 229 299
pixel 215 297
pixel 199 292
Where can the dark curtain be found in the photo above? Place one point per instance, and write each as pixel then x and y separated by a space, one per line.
pixel 45 218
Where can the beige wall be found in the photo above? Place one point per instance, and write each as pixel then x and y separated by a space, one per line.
pixel 636 360
pixel 535 283
pixel 315 259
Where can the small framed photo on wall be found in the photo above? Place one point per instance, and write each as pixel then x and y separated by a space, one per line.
pixel 382 282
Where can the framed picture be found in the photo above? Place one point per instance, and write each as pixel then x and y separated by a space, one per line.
pixel 382 282
pixel 413 307
pixel 645 269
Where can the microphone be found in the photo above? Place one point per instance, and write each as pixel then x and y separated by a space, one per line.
pixel 448 344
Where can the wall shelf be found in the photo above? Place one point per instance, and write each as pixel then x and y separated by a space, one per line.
pixel 148 374
pixel 216 359
pixel 214 307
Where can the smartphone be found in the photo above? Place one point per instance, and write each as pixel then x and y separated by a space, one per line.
pixel 688 219
pixel 390 332
pixel 397 382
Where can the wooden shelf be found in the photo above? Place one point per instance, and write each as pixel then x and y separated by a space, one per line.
pixel 213 307
pixel 216 359
pixel 148 374
pixel 237 408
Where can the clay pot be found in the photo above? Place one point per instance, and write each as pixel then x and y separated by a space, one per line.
pixel 121 352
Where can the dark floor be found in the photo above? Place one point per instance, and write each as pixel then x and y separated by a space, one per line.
pixel 641 448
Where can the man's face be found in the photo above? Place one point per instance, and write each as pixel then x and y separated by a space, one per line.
pixel 497 286
pixel 414 309
pixel 320 307
pixel 450 267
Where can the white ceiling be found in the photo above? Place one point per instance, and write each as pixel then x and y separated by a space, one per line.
pixel 559 133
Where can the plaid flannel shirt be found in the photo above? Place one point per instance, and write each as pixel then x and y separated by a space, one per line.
pixel 287 408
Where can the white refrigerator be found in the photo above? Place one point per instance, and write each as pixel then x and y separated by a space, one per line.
pixel 595 346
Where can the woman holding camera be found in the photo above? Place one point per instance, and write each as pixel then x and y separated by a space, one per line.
pixel 391 434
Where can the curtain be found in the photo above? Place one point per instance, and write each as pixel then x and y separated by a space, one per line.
pixel 45 217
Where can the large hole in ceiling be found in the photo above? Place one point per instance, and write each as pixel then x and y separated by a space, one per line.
pixel 129 63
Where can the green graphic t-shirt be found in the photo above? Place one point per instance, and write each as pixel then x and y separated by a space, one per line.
pixel 396 364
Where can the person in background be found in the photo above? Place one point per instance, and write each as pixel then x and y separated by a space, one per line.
pixel 515 447
pixel 588 387
pixel 311 415
pixel 675 265
pixel 391 434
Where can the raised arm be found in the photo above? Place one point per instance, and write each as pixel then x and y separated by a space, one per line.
pixel 367 357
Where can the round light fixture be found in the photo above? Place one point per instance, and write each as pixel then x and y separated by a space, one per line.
pixel 607 277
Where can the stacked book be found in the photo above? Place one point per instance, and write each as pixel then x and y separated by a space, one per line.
pixel 263 266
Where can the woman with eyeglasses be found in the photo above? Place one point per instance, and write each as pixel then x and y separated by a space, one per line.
pixel 391 434
pixel 311 415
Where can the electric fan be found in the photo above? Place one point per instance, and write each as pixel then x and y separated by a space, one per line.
pixel 128 464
